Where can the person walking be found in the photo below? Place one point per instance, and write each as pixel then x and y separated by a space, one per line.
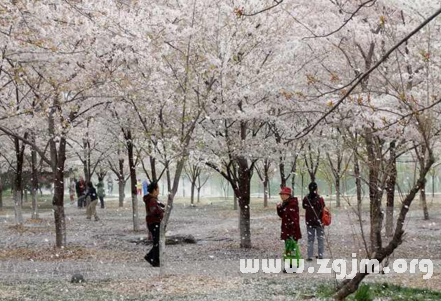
pixel 81 189
pixel 101 192
pixel 288 210
pixel 91 201
pixel 314 204
pixel 155 213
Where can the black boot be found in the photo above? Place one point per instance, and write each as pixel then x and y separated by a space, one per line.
pixel 151 261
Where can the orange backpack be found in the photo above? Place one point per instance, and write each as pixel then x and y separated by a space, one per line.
pixel 326 217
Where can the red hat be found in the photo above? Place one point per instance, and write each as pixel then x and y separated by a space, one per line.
pixel 285 190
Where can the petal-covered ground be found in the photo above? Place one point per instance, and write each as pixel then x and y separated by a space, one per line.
pixel 104 252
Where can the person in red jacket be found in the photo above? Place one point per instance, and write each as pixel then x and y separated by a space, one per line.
pixel 155 213
pixel 314 204
pixel 288 210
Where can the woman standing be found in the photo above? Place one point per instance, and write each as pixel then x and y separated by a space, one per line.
pixel 314 204
pixel 155 213
pixel 288 210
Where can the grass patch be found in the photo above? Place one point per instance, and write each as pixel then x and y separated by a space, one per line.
pixel 399 293
pixel 385 291
pixel 324 291
pixel 363 293
pixel 7 193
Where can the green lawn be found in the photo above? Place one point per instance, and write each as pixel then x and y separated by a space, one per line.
pixel 368 292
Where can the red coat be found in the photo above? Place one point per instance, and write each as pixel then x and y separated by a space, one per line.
pixel 289 212
pixel 154 210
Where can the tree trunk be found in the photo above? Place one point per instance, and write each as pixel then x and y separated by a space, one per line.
pixel 293 183
pixel 168 176
pixel 390 188
pixel 153 167
pixel 87 153
pixel 358 186
pixel 60 218
pixel 390 210
pixel 121 182
pixel 282 173
pixel 337 191
pixel 269 190
pixel 133 180
pixel 18 182
pixel 293 174
pixel 374 192
pixel 422 159
pixel 58 199
pixel 423 199
pixel 1 191
pixel 414 174
pixel 85 162
pixel 35 214
pixel 199 194
pixel 193 186
pixel 169 208
pixel 234 201
pixel 265 183
pixel 265 193
pixel 121 191
pixel 34 185
pixel 244 197
pixel 244 222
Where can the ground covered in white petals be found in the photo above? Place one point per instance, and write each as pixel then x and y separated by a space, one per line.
pixel 104 252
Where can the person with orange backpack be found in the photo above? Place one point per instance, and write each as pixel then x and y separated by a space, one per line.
pixel 315 208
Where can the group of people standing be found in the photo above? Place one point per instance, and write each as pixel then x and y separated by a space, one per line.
pixel 314 206
pixel 288 210
pixel 87 196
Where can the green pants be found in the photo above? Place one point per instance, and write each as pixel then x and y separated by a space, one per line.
pixel 292 252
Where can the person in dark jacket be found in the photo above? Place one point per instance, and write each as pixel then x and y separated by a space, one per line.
pixel 155 213
pixel 91 201
pixel 314 204
pixel 81 190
